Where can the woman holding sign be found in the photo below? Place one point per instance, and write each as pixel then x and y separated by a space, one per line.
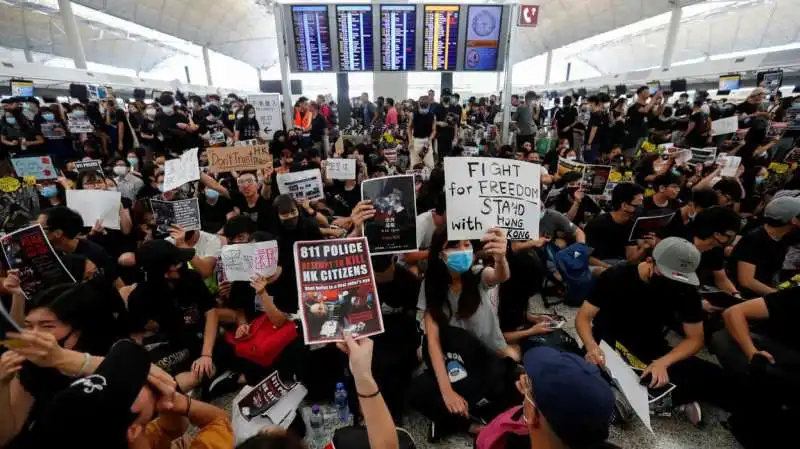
pixel 463 341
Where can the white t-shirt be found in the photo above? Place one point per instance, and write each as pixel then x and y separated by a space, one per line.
pixel 425 229
pixel 209 245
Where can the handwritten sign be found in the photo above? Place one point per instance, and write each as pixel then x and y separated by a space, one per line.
pixel 178 172
pixel 483 193
pixel 95 205
pixel 268 112
pixel 727 125
pixel 343 169
pixel 40 167
pixel 303 185
pixel 243 261
pixel 222 160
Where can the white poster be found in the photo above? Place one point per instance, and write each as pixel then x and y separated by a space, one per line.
pixel 484 193
pixel 727 125
pixel 178 172
pixel 95 205
pixel 729 164
pixel 342 169
pixel 628 382
pixel 302 185
pixel 243 261
pixel 268 112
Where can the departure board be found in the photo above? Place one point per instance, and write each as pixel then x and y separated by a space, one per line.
pixel 312 38
pixel 441 37
pixel 483 37
pixel 355 38
pixel 398 37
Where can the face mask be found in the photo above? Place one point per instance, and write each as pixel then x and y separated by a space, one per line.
pixel 760 180
pixel 459 261
pixel 79 113
pixel 102 110
pixel 11 120
pixel 49 117
pixel 239 115
pixel 133 161
pixel 120 171
pixel 169 110
pixel 150 112
pixel 676 172
pixel 423 110
pixel 251 115
pixel 291 223
pixel 28 114
pixel 212 195
pixel 49 191
pixel 571 158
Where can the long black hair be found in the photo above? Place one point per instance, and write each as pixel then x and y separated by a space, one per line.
pixel 437 285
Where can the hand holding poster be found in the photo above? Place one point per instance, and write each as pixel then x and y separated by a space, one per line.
pixel 337 290
pixel 264 399
pixel 243 261
pixel 727 125
pixel 394 227
pixel 227 159
pixel 40 167
pixel 729 165
pixel 302 185
pixel 342 169
pixel 647 225
pixel 29 251
pixel 94 205
pixel 184 213
pixel 178 172
pixel 484 193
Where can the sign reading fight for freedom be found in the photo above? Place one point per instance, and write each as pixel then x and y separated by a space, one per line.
pixel 483 193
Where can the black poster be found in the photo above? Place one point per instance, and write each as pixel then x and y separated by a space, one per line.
pixel 184 213
pixel 394 228
pixel 90 165
pixel 29 251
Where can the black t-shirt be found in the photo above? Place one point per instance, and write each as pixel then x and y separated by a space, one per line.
pixel 710 261
pixel 318 127
pixel 758 248
pixel 344 200
pixel 607 237
pixel 748 108
pixel 175 139
pixel 99 256
pixel 698 135
pixel 450 114
pixel 637 121
pixel 784 308
pixel 563 205
pixel 680 111
pixel 636 312
pixel 600 120
pixel 422 124
pixel 248 128
pixel 213 217
pixel 652 209
pixel 284 290
pixel 261 212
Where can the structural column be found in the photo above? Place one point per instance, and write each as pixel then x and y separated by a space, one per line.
pixel 283 63
pixel 509 68
pixel 672 35
pixel 27 49
pixel 548 66
pixel 207 63
pixel 73 36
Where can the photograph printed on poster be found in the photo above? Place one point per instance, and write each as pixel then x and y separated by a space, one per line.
pixel 394 227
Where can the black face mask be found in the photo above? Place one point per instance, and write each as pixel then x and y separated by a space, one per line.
pixel 291 223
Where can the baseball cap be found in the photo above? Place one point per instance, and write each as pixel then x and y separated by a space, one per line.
pixel 783 209
pixel 97 406
pixel 571 394
pixel 677 259
pixel 157 255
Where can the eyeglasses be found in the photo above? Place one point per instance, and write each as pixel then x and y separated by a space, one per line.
pixel 246 182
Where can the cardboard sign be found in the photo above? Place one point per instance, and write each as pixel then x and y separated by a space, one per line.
pixel 246 143
pixel 727 125
pixel 342 169
pixel 39 167
pixel 484 193
pixel 184 213
pixel 268 112
pixel 243 261
pixel 178 172
pixel 29 251
pixel 337 290
pixel 303 185
pixel 96 205
pixel 227 159
pixel 394 227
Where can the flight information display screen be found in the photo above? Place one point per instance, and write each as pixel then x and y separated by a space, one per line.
pixel 398 37
pixel 441 37
pixel 483 37
pixel 312 38
pixel 355 37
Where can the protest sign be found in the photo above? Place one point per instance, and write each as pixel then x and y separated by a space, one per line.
pixel 394 227
pixel 40 167
pixel 391 155
pixel 682 156
pixel 53 131
pixel 470 151
pixel 727 125
pixel 484 193
pixel 729 164
pixel 227 159
pixel 646 225
pixel 178 172
pixel 793 118
pixel 703 155
pixel 243 261
pixel 94 165
pixel 19 205
pixel 342 169
pixel 79 125
pixel 29 251
pixel 94 205
pixel 793 156
pixel 302 185
pixel 595 178
pixel 566 165
pixel 337 290
pixel 629 383
pixel 422 174
pixel 266 397
pixel 184 213
pixel 268 112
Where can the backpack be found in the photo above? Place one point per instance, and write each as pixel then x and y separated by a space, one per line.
pixel 506 425
pixel 265 342
pixel 572 263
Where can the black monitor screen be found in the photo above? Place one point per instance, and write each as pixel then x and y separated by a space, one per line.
pixel 312 39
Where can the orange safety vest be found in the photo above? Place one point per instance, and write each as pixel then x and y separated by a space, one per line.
pixel 302 121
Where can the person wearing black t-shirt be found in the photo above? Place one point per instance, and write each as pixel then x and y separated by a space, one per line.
pixel 248 201
pixel 757 259
pixel 667 187
pixel 319 127
pixel 422 129
pixel 599 131
pixel 565 119
pixel 214 210
pixel 638 115
pixel 631 304
pixel 697 129
pixel 683 109
pixel 247 127
pixel 173 127
pixel 752 110
pixel 608 233
pixel 448 115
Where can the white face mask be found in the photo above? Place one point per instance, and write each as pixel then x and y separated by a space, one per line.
pixel 169 110
pixel 251 115
pixel 120 171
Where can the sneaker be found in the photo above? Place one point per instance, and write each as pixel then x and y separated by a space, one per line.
pixel 225 383
pixel 692 412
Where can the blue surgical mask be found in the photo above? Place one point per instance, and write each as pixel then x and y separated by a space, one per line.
pixel 48 116
pixel 133 161
pixel 212 194
pixel 11 120
pixel 79 113
pixel 676 172
pixel 459 261
pixel 48 191
pixel 760 180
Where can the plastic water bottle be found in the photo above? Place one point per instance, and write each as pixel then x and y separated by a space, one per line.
pixel 340 400
pixel 317 422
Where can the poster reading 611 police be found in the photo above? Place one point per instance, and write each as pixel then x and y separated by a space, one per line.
pixel 336 290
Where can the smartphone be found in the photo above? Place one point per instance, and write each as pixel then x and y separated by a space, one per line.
pixel 555 324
